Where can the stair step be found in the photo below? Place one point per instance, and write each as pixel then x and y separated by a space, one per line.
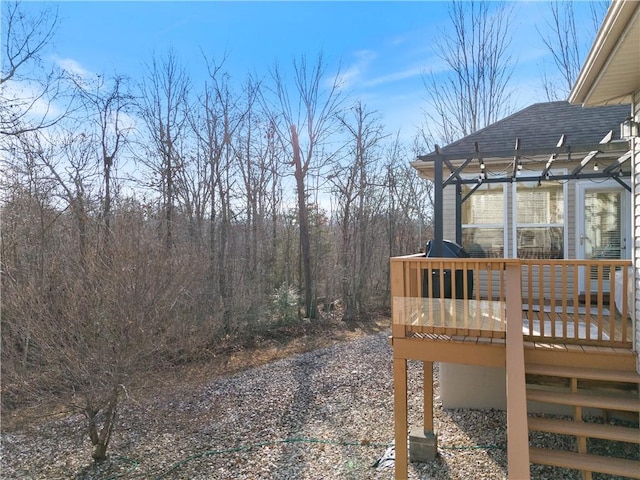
pixel 584 429
pixel 585 462
pixel 584 373
pixel 606 402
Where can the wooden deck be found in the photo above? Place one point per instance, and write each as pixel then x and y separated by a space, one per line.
pixel 502 313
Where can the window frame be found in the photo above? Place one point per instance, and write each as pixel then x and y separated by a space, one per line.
pixel 505 214
pixel 564 184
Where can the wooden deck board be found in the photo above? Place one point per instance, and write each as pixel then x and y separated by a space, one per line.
pixel 585 429
pixel 591 463
pixel 583 373
pixel 608 402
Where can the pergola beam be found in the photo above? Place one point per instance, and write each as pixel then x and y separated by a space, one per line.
pixel 624 185
pixel 516 160
pixel 473 189
pixel 618 163
pixel 538 178
pixel 591 155
pixel 455 172
pixel 438 203
pixel 605 141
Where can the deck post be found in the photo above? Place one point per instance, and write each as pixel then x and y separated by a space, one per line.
pixel 517 422
pixel 400 417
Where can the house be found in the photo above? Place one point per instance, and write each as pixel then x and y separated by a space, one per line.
pixel 529 187
pixel 542 199
pixel 611 76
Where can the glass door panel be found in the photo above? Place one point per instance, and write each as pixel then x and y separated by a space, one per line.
pixel 602 235
pixel 603 232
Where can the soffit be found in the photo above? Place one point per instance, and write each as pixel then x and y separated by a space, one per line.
pixel 611 73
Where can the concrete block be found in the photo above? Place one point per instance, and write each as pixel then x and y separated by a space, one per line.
pixel 423 446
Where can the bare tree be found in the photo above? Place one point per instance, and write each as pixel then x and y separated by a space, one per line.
pixel 107 103
pixel 260 169
pixel 221 115
pixel 353 181
pixel 305 117
pixel 598 9
pixel 164 103
pixel 73 325
pixel 410 200
pixel 97 332
pixel 562 40
pixel 473 92
pixel 29 93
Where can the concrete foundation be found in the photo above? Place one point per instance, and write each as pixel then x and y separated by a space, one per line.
pixel 485 388
pixel 423 446
pixel 471 386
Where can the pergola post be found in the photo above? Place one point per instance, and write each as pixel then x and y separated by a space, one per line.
pixel 436 246
pixel 458 212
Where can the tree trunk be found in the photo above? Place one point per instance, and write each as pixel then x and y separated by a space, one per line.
pixel 305 244
pixel 100 437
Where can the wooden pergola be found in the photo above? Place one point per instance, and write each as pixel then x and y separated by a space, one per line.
pixel 617 169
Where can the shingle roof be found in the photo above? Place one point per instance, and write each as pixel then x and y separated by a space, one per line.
pixel 540 126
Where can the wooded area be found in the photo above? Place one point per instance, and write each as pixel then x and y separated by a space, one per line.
pixel 146 221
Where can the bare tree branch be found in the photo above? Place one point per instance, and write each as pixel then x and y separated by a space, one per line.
pixel 562 40
pixel 473 93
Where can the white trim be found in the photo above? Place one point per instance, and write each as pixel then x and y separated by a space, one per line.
pixel 505 212
pixel 625 205
pixel 565 213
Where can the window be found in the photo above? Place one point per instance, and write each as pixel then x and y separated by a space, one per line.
pixel 483 221
pixel 540 220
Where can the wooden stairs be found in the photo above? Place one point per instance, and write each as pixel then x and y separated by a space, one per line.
pixel 611 392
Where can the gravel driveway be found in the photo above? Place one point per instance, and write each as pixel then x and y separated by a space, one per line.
pixel 326 414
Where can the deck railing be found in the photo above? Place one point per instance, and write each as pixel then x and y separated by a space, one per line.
pixel 583 302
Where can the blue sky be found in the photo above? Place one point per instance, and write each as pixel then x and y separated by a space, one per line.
pixel 384 47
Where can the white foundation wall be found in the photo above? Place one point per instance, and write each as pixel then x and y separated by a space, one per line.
pixel 472 386
pixel 484 388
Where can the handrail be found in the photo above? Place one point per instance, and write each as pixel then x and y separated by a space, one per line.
pixel 567 301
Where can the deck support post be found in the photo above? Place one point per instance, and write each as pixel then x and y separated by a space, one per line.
pixel 400 418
